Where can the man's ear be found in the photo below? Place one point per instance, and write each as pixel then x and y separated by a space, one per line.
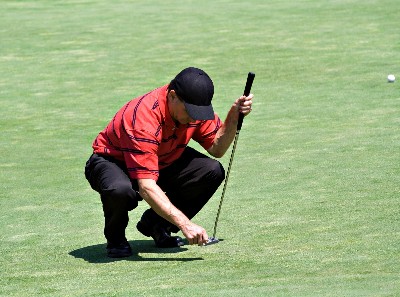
pixel 172 94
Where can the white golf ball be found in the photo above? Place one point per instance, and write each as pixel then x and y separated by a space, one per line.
pixel 391 78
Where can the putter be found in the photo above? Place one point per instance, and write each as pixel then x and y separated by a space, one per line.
pixel 249 82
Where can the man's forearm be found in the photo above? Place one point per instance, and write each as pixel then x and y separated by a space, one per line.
pixel 225 134
pixel 159 202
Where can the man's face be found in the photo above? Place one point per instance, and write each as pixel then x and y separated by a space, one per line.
pixel 177 109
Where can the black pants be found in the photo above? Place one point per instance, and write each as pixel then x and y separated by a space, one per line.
pixel 189 183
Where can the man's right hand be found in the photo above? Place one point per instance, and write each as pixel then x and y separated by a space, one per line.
pixel 195 234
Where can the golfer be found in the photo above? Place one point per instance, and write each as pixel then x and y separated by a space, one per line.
pixel 143 153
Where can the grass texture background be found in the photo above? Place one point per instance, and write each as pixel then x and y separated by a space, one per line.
pixel 312 205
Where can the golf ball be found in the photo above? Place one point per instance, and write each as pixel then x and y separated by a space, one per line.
pixel 391 78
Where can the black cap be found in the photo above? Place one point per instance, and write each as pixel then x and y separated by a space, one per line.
pixel 196 89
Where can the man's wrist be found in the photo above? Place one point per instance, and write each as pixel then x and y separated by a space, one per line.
pixel 178 218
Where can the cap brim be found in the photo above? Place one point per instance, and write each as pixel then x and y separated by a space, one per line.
pixel 200 113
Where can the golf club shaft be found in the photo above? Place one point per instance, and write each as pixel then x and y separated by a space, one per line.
pixel 249 82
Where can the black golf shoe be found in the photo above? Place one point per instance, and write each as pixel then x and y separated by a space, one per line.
pixel 120 250
pixel 161 236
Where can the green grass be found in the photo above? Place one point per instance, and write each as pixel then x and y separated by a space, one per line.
pixel 312 206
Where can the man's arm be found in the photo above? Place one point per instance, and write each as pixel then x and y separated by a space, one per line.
pixel 226 133
pixel 159 202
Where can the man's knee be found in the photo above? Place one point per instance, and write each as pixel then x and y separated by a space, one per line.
pixel 216 171
pixel 120 195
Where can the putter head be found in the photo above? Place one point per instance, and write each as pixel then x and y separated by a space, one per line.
pixel 212 240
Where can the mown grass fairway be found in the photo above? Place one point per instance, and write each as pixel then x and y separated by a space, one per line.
pixel 312 206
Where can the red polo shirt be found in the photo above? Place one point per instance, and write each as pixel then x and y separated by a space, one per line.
pixel 144 136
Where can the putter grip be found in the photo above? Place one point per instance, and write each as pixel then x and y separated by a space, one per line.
pixel 249 82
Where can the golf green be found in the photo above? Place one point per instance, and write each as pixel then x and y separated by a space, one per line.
pixel 312 204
